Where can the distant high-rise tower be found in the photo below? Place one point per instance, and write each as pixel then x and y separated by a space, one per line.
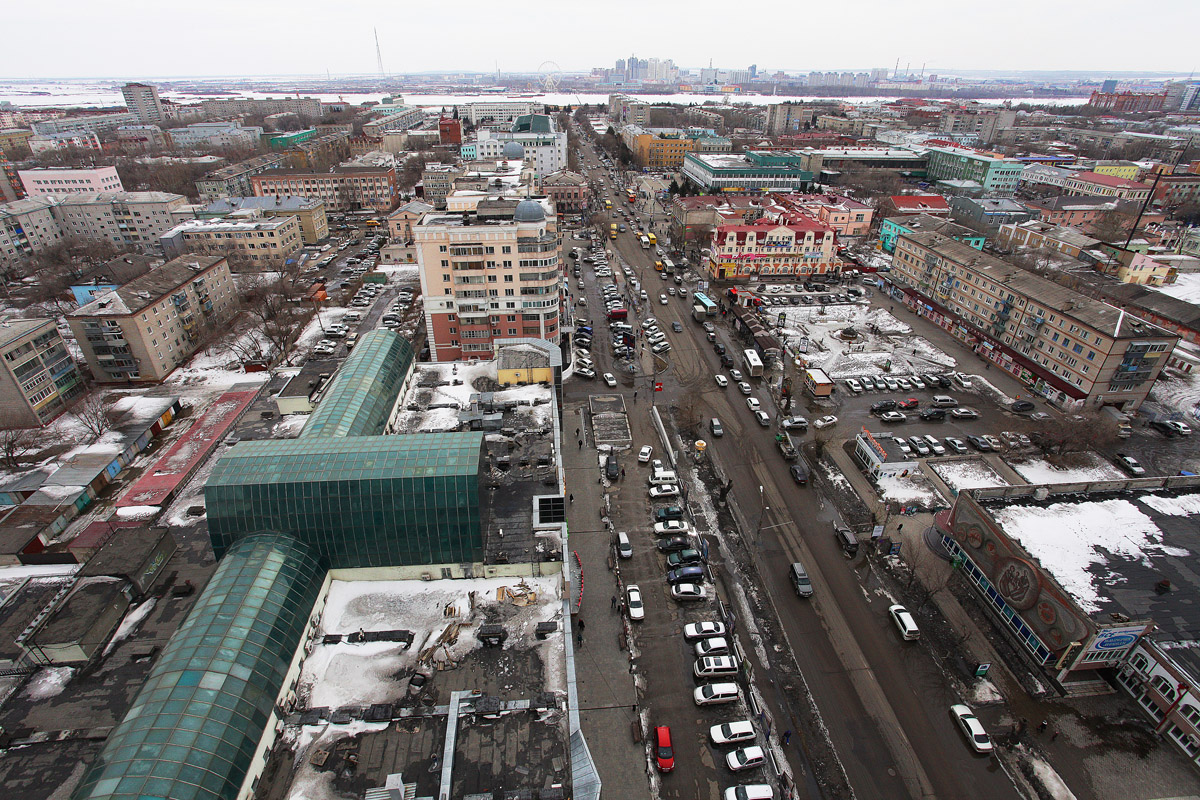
pixel 1108 87
pixel 142 99
pixel 754 70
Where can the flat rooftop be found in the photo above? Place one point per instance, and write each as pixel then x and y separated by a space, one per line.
pixel 356 704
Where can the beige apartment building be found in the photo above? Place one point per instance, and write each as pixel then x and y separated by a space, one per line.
pixel 488 278
pixel 341 189
pixel 249 240
pixel 143 330
pixel 314 224
pixel 127 219
pixel 1075 351
pixel 38 378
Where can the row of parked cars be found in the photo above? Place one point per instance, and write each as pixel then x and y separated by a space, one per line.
pixel 906 383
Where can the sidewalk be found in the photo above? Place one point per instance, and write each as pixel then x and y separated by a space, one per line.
pixel 604 684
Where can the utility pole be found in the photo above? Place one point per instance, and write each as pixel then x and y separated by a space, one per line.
pixel 1142 210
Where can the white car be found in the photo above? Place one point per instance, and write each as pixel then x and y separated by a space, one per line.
pixel 664 490
pixel 730 732
pixel 753 404
pixel 633 602
pixel 688 591
pixel 585 372
pixel 1180 428
pixel 712 646
pixel 972 728
pixel 904 622
pixel 853 385
pixel 736 374
pixel 721 380
pixel 672 526
pixel 745 758
pixel 609 379
pixel 744 388
pixel 649 323
pixel 825 422
pixel 662 298
pixel 703 630
pixel 645 453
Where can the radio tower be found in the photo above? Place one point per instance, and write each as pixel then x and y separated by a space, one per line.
pixel 378 54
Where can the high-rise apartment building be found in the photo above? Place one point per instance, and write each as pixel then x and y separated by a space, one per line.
pixel 146 328
pixel 142 99
pixel 488 277
pixel 38 378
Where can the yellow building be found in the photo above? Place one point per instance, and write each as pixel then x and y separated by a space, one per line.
pixel 1156 271
pixel 14 142
pixel 655 150
pixel 1118 169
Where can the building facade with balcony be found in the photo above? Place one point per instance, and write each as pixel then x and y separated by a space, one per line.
pixel 79 140
pixel 142 99
pixel 791 245
pixel 251 242
pixel 234 180
pixel 1075 351
pixel 38 378
pixel 127 219
pixel 488 279
pixel 993 172
pixel 148 327
pixel 314 224
pixel 568 190
pixel 96 123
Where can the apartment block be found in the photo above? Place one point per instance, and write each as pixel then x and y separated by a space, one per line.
pixel 142 100
pixel 38 378
pixel 314 225
pixel 1075 351
pixel 500 111
pixel 624 110
pixel 1038 235
pixel 995 173
pixel 784 118
pixel 981 123
pixel 251 242
pixel 301 106
pixel 234 180
pixel 141 137
pixel 26 227
pixel 127 219
pixel 15 141
pixel 489 278
pixel 1098 185
pixel 849 219
pixel 341 189
pixel 787 245
pixel 399 118
pixel 437 180
pixel 96 123
pixel 148 327
pixel 657 150
pixel 319 151
pixel 38 182
pixel 216 135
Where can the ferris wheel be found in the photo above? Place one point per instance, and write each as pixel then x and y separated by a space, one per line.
pixel 549 76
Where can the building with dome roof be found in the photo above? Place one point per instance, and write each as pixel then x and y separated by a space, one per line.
pixel 533 138
pixel 489 270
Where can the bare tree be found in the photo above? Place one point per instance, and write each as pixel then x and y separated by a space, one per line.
pixel 1111 226
pixel 94 413
pixel 16 441
pixel 1072 434
pixel 279 312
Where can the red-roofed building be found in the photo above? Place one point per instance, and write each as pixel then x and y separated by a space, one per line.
pixel 903 204
pixel 790 244
pixel 849 218
pixel 1094 183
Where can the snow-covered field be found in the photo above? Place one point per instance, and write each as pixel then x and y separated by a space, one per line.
pixel 884 343
pixel 344 674
pixel 914 490
pixel 968 474
pixel 1074 541
pixel 1081 467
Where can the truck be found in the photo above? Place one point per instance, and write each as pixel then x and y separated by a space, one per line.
pixel 1119 419
pixel 786 447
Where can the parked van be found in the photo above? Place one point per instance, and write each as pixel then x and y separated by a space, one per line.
pixel 714 425
pixel 800 581
pixel 944 401
pixel 846 540
pixel 351 340
pixel 715 666
pixel 753 791
pixel 624 548
pixel 711 694
pixel 663 477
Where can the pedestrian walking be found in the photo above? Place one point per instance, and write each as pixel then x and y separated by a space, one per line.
pixel 581 625
pixel 581 444
pixel 577 431
pixel 579 638
pixel 787 736
pixel 1054 735
pixel 572 497
pixel 1043 725
pixel 622 472
pixel 613 603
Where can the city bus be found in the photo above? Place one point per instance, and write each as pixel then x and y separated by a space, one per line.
pixel 754 365
pixel 608 205
pixel 702 307
pixel 653 239
pixel 668 265
pixel 631 197
pixel 645 242
pixel 612 231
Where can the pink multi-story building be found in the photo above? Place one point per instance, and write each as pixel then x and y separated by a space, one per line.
pixel 70 181
pixel 848 217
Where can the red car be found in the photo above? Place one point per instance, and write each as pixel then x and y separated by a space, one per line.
pixel 664 753
pixel 911 402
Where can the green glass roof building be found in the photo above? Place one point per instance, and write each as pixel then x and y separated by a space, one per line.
pixel 367 501
pixel 363 394
pixel 196 723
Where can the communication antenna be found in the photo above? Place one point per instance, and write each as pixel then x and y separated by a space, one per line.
pixel 378 53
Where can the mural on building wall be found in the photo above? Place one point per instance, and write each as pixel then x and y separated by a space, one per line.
pixel 1018 580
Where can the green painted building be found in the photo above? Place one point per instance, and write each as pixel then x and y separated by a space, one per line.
pixel 286 139
pixel 995 173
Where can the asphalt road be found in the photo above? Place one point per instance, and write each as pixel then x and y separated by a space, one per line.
pixel 884 701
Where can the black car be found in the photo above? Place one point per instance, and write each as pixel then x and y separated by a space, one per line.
pixel 1021 406
pixel 720 348
pixel 944 381
pixel 727 360
pixel 1163 427
pixel 883 405
pixel 682 558
pixel 668 512
pixel 674 543
pixel 799 473
pixel 933 414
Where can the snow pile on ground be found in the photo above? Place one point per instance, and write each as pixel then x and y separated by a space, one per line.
pixel 1175 392
pixel 48 682
pixel 399 273
pixel 913 490
pixel 1184 506
pixel 968 474
pixel 342 674
pixel 1074 541
pixel 883 343
pixel 1083 467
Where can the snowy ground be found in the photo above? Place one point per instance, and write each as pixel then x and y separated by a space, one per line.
pixel 970 474
pixel 884 343
pixel 361 674
pixel 1176 392
pixel 914 490
pixel 1073 542
pixel 432 409
pixel 1186 288
pixel 1079 467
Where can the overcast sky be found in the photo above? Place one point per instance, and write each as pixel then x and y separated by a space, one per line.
pixel 73 38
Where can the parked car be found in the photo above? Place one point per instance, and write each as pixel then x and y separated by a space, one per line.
pixel 933 414
pixel 732 732
pixel 703 630
pixel 793 423
pixel 908 404
pixel 746 758
pixel 825 422
pixel 673 544
pixel 971 727
pixel 882 406
pixel 713 646
pixel 664 754
pixel 1130 465
pixel 644 454
pixel 664 490
pixel 672 526
pixel 963 412
pixel 609 379
pixel 979 443
pixel 715 693
pixel 688 591
pixel 904 622
pixel 633 602
pixel 853 385
pixel 799 473
pixel 955 444
pixel 1021 407
pixel 682 558
pixel 668 512
pixel 892 416
pixel 721 380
